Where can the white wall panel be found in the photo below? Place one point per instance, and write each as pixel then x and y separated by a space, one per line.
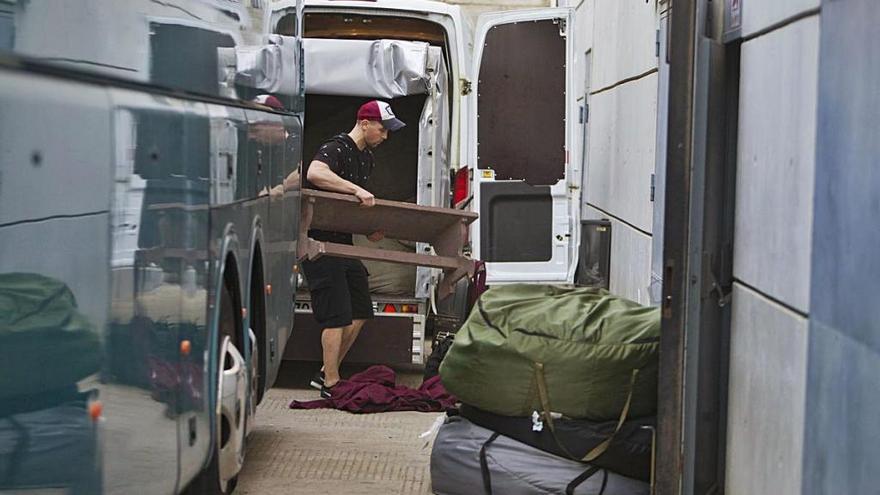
pixel 776 162
pixel 630 259
pixel 583 41
pixel 757 15
pixel 766 396
pixel 623 126
pixel 624 40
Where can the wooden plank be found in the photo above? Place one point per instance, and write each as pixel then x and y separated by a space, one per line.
pixel 315 249
pixel 398 220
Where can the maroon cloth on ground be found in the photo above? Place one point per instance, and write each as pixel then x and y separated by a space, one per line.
pixel 374 390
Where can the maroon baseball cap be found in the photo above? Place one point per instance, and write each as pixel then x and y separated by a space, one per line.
pixel 270 101
pixel 380 111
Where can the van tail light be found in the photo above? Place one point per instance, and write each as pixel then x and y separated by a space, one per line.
pixel 389 308
pixel 409 308
pixel 461 186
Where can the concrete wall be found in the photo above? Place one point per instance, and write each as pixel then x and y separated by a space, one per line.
pixel 623 41
pixel 776 161
pixel 768 353
pixel 761 15
pixel 842 433
pixel 772 248
pixel 621 154
pixel 621 83
pixel 805 351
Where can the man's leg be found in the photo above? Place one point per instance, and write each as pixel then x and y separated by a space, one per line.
pixel 361 304
pixel 331 305
pixel 349 335
pixel 331 341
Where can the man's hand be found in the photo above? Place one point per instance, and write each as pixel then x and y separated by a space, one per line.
pixel 366 197
pixel 376 236
pixel 277 191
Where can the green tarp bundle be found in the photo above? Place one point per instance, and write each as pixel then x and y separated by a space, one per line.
pixel 586 343
pixel 45 342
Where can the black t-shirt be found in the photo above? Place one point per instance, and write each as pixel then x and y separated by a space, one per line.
pixel 344 158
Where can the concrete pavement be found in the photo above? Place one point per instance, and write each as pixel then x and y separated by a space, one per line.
pixel 325 451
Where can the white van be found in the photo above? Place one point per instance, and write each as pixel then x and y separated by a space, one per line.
pixel 489 127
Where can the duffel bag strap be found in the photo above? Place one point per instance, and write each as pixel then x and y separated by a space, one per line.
pixel 602 447
pixel 598 450
pixel 544 398
pixel 572 486
pixel 484 465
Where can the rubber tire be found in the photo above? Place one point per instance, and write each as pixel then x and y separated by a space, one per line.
pixel 208 480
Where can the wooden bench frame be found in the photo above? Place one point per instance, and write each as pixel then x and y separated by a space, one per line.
pixel 445 229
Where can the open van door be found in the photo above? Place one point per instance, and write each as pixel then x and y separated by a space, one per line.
pixel 521 131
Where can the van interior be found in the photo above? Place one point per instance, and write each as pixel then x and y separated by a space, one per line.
pixel 412 164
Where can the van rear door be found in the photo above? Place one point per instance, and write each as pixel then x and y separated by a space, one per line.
pixel 521 132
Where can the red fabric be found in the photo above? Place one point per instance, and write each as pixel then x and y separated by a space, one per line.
pixel 374 390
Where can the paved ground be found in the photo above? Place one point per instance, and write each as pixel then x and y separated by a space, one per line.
pixel 325 451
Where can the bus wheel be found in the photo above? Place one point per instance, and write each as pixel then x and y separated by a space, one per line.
pixel 231 407
pixel 231 381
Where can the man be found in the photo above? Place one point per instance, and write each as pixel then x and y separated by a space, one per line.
pixel 340 293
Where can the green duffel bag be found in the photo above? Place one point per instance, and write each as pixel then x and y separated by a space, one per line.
pixel 581 352
pixel 46 344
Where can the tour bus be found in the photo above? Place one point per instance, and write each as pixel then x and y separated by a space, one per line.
pixel 473 127
pixel 148 229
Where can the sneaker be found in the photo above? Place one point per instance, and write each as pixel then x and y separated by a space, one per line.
pixel 327 392
pixel 317 381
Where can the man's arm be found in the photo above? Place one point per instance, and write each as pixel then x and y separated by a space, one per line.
pixel 320 175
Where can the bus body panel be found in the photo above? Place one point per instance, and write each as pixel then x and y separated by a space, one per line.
pixel 131 170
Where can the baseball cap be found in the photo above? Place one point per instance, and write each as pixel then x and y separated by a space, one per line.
pixel 270 101
pixel 380 111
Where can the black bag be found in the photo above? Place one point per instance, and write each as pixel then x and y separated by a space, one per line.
pixel 438 352
pixel 628 454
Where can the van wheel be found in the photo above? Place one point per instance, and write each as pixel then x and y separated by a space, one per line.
pixel 230 412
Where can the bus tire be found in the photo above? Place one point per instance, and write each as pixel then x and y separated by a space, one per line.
pixel 220 477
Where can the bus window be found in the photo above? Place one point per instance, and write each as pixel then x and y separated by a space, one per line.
pixel 186 57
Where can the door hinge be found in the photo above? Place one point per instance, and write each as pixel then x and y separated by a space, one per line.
pixel 657 44
pixel 653 187
pixel 712 287
pixel 465 87
pixel 585 113
pixel 562 27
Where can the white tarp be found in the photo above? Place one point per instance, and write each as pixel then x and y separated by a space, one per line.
pixel 272 67
pixel 434 130
pixel 368 68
